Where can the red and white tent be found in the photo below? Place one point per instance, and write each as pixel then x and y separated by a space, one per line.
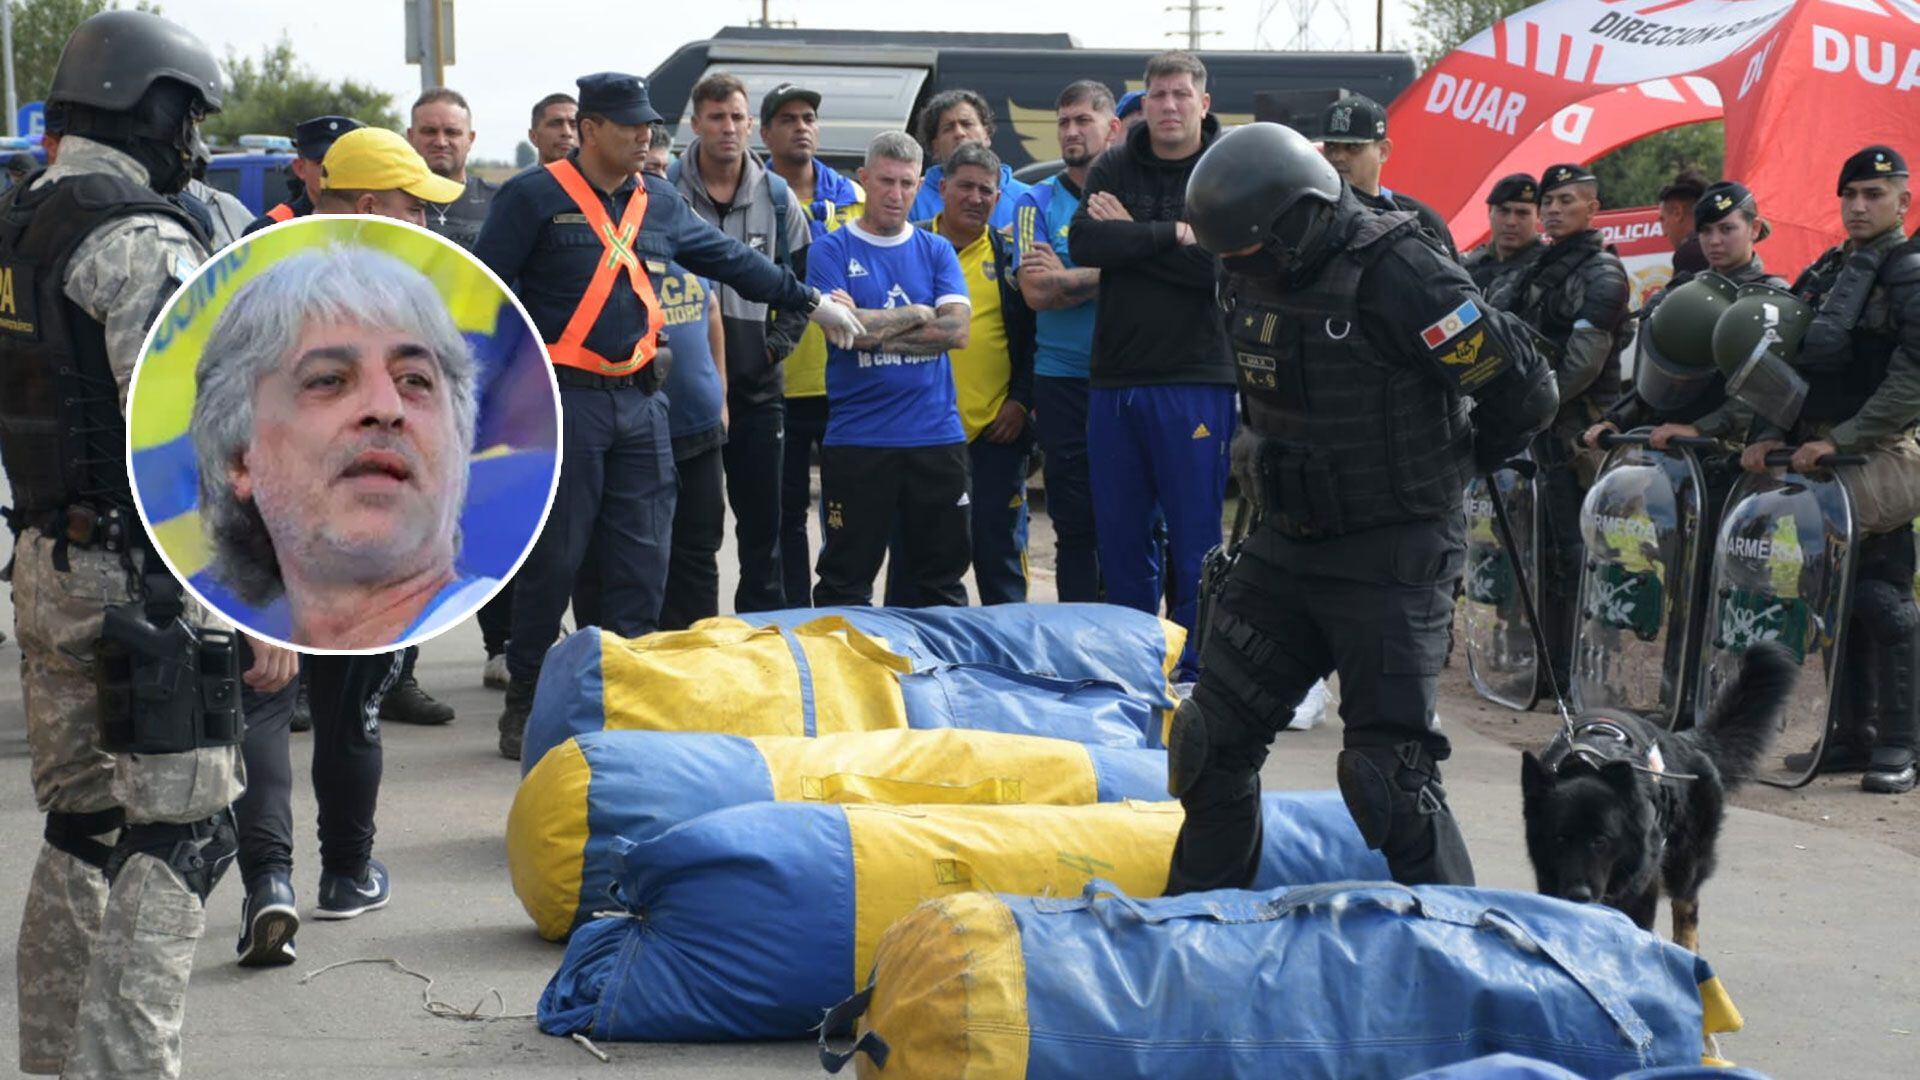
pixel 1802 84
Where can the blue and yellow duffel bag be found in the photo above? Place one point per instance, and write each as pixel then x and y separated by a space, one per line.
pixel 637 784
pixel 823 677
pixel 748 923
pixel 1338 980
pixel 1105 643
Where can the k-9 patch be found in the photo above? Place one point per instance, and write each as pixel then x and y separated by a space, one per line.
pixel 1451 324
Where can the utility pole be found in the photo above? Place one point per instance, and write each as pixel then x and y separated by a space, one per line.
pixel 1379 25
pixel 1193 33
pixel 766 17
pixel 6 46
pixel 430 39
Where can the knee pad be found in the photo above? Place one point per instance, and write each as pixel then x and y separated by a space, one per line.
pixel 80 835
pixel 1383 785
pixel 199 852
pixel 1187 744
pixel 1395 797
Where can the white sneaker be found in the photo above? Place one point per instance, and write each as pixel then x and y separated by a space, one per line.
pixel 1311 710
pixel 495 676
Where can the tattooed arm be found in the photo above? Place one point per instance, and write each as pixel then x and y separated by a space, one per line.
pixel 946 332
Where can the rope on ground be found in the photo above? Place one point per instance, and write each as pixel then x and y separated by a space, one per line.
pixel 435 1007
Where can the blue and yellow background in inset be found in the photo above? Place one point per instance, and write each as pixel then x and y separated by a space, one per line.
pixel 515 454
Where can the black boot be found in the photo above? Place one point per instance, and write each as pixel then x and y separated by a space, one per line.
pixel 406 703
pixel 513 719
pixel 1891 770
pixel 302 712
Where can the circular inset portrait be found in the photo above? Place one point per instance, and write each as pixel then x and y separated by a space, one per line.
pixel 343 434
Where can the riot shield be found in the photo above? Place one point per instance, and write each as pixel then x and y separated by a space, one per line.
pixel 1640 527
pixel 1783 571
pixel 1501 659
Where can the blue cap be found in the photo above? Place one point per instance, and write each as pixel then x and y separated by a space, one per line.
pixel 1129 103
pixel 616 97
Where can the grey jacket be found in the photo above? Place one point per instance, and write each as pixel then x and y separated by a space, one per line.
pixel 757 338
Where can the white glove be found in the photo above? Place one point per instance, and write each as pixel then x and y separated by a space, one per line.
pixel 838 321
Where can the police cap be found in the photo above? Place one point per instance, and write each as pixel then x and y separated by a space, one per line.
pixel 621 98
pixel 1721 199
pixel 1875 162
pixel 312 138
pixel 1514 187
pixel 1559 176
pixel 1354 119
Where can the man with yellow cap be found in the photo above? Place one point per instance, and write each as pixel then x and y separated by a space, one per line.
pixel 374 171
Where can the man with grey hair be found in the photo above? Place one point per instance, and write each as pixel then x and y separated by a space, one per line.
pixel 894 458
pixel 332 426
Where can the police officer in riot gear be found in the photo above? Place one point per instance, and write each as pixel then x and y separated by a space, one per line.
pixel 1358 342
pixel 1678 389
pixel 1858 367
pixel 132 703
pixel 1574 294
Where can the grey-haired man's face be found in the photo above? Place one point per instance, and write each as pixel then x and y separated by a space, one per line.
pixel 355 464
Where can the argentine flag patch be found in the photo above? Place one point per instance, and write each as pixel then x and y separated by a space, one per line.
pixel 1451 324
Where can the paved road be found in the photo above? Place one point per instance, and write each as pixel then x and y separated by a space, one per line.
pixel 1811 928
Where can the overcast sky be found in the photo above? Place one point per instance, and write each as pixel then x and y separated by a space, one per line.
pixel 509 53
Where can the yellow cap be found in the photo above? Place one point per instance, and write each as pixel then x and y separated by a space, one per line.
pixel 375 159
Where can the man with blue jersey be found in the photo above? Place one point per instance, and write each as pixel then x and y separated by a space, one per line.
pixel 951 118
pixel 790 127
pixel 895 452
pixel 1061 295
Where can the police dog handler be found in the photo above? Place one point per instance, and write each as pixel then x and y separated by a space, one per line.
pixel 1357 342
pixel 332 423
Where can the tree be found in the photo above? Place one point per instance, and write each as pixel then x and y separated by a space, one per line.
pixel 1631 175
pixel 1445 25
pixel 523 155
pixel 1634 174
pixel 40 31
pixel 272 93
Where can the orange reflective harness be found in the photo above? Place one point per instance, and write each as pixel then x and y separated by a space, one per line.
pixel 617 242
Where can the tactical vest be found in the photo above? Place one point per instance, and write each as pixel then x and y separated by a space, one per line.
pixel 63 439
pixel 1835 394
pixel 1537 298
pixel 1355 439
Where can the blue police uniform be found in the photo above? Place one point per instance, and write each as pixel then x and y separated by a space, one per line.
pixel 552 239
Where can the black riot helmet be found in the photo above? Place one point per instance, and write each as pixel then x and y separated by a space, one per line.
pixel 139 83
pixel 1263 184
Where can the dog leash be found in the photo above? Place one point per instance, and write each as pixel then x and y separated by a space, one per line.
pixel 1526 469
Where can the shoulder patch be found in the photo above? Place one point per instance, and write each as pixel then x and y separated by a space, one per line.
pixel 1451 325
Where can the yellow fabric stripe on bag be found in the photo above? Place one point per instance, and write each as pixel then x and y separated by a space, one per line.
pixel 942 766
pixel 1718 1016
pixel 905 855
pixel 547 838
pixel 956 962
pixel 737 680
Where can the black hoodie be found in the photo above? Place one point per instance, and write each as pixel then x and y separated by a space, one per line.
pixel 1157 321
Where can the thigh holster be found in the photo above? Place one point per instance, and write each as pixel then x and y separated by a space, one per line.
pixel 198 851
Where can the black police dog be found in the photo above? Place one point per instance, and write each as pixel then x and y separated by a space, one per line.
pixel 1623 807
